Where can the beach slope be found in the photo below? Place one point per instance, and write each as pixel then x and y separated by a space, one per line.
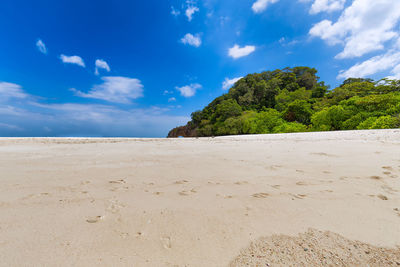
pixel 201 202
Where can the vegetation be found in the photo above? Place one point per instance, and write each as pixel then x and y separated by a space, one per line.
pixel 294 100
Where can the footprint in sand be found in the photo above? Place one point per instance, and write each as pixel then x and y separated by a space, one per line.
pixel 260 195
pixel 123 235
pixel 375 177
pixel 276 186
pixel 157 193
pixel 94 219
pixel 241 182
pixel 397 210
pixel 328 191
pixel 117 184
pixel 125 188
pixel 166 242
pixel 389 168
pixel 139 234
pixel 382 197
pixel 301 183
pixel 187 193
pixel 389 189
pixel 121 181
pixel 181 182
pixel 298 196
pixel 274 167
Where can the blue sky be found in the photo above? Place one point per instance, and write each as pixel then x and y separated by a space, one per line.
pixel 139 68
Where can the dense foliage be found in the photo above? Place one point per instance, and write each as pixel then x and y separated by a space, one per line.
pixel 294 100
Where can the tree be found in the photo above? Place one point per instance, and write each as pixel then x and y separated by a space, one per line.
pixel 299 111
pixel 228 108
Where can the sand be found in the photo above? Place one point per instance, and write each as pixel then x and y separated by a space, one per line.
pixel 264 200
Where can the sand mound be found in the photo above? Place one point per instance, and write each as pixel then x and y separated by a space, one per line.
pixel 315 248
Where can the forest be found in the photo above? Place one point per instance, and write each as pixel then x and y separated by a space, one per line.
pixel 294 100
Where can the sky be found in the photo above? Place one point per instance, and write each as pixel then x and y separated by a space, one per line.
pixel 133 68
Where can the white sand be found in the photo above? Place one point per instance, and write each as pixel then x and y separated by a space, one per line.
pixel 191 202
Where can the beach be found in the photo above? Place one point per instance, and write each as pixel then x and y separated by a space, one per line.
pixel 200 201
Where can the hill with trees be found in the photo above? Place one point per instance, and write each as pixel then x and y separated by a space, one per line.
pixel 294 100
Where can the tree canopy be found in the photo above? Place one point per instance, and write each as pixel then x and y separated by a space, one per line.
pixel 294 100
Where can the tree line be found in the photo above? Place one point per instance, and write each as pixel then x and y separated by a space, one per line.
pixel 294 100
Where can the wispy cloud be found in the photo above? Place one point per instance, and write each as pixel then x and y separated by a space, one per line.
pixel 190 39
pixel 23 115
pixel 171 99
pixel 175 12
pixel 72 60
pixel 41 46
pixel 390 60
pixel 261 5
pixel 10 127
pixel 114 89
pixel 189 90
pixel 236 51
pixel 228 83
pixel 11 90
pixel 101 64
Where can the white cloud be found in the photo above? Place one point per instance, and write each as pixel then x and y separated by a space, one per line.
pixel 376 64
pixel 396 72
pixel 41 46
pixel 261 5
pixel 166 92
pixel 11 90
pixel 326 6
pixel 190 11
pixel 190 39
pixel 171 99
pixel 115 89
pixel 189 90
pixel 175 12
pixel 237 52
pixel 101 64
pixel 365 26
pixel 228 83
pixel 72 60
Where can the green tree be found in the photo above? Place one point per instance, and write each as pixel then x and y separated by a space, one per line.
pixel 228 108
pixel 299 111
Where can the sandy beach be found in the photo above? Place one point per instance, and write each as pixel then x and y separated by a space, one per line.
pixel 263 200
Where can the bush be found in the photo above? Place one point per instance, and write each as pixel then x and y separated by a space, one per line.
pixel 290 127
pixel 385 122
pixel 329 118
